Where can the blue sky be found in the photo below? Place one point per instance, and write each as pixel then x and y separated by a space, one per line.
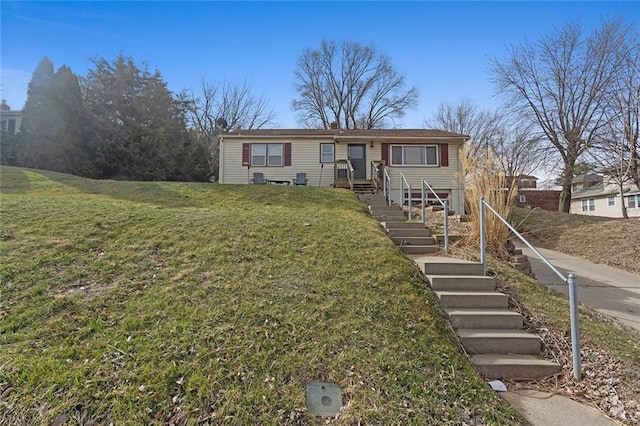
pixel 441 47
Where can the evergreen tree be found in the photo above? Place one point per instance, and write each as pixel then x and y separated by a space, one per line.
pixel 52 135
pixel 138 127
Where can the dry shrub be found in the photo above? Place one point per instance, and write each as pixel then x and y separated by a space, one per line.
pixel 484 178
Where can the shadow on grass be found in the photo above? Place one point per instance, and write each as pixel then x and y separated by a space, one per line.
pixel 155 193
pixel 14 180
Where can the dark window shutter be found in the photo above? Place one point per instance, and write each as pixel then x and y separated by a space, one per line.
pixel 287 154
pixel 385 154
pixel 444 155
pixel 246 153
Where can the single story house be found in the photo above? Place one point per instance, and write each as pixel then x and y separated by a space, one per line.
pixel 595 195
pixel 348 157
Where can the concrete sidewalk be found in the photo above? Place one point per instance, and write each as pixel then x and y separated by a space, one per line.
pixel 544 409
pixel 609 290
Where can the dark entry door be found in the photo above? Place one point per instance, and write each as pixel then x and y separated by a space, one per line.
pixel 357 154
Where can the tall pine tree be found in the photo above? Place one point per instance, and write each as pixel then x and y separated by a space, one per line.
pixel 138 127
pixel 52 131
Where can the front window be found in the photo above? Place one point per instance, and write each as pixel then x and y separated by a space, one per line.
pixel 631 202
pixel 263 154
pixel 414 155
pixel 589 205
pixel 611 201
pixel 327 153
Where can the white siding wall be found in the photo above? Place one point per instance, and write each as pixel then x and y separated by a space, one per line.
pixel 603 208
pixel 441 179
pixel 305 157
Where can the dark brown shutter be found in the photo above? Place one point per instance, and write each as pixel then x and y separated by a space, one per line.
pixel 287 154
pixel 246 153
pixel 444 155
pixel 385 154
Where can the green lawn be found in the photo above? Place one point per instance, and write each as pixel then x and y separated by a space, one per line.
pixel 142 303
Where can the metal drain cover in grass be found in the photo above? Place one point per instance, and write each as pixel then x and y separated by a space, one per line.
pixel 324 399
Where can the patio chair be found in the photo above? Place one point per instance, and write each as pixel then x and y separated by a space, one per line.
pixel 300 179
pixel 258 178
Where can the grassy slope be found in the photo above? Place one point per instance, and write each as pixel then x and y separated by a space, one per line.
pixel 144 302
pixel 589 237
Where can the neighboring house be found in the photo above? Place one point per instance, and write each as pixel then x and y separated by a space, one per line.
pixel 594 195
pixel 529 196
pixel 344 158
pixel 9 120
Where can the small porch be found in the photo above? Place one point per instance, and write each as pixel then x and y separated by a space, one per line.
pixel 345 175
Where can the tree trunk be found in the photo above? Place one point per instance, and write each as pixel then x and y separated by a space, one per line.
pixel 564 204
pixel 625 215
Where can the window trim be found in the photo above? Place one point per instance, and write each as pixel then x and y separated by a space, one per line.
pixel 426 146
pixel 333 153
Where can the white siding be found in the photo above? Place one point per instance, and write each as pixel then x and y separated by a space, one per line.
pixel 441 179
pixel 602 207
pixel 305 157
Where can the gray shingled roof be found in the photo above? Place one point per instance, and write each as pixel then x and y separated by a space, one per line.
pixel 379 133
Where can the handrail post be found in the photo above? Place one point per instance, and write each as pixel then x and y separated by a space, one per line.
pixel 409 202
pixel 575 326
pixel 446 227
pixel 422 200
pixel 483 257
pixel 401 190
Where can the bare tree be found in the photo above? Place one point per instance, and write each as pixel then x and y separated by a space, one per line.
pixel 223 107
pixel 515 148
pixel 618 143
pixel 352 85
pixel 484 126
pixel 519 150
pixel 560 83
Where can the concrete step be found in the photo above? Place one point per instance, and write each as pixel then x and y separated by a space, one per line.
pixel 499 341
pixel 448 266
pixel 402 233
pixel 415 249
pixel 401 224
pixel 373 199
pixel 473 299
pixel 396 217
pixel 484 318
pixel 414 241
pixel 523 367
pixel 462 282
pixel 383 209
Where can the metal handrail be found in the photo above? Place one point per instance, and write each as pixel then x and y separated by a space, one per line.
pixel 444 204
pixel 571 280
pixel 402 184
pixel 386 187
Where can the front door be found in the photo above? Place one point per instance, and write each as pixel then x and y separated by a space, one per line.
pixel 357 154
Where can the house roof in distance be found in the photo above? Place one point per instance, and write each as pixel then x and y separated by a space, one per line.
pixel 371 133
